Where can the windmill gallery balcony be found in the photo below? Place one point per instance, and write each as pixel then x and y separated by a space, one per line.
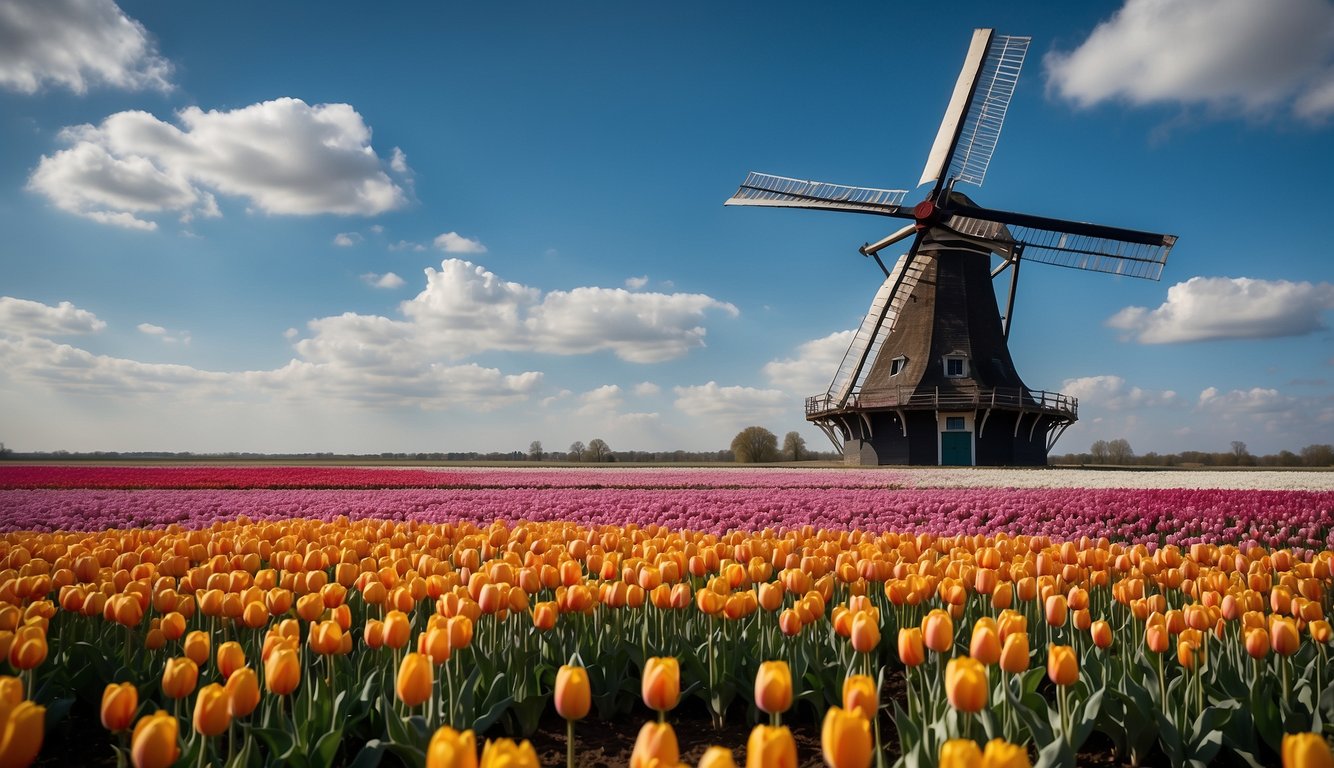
pixel 953 399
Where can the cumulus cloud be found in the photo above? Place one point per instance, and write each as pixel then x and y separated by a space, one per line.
pixel 453 242
pixel 1112 393
pixel 602 401
pixel 346 239
pixel 732 403
pixel 407 245
pixel 387 280
pixel 814 365
pixel 466 309
pixel 1208 308
pixel 282 157
pixel 167 337
pixel 21 317
pixel 76 44
pixel 635 283
pixel 1268 410
pixel 647 389
pixel 367 379
pixel 1229 55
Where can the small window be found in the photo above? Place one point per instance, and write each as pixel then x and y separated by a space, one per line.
pixel 954 424
pixel 897 365
pixel 956 366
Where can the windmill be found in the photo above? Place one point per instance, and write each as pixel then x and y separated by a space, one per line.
pixel 928 378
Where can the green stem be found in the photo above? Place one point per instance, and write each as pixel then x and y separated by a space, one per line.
pixel 569 744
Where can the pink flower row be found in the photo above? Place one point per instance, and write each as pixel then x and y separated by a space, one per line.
pixel 278 477
pixel 1297 519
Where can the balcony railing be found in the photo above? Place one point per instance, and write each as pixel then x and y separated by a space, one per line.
pixel 1006 398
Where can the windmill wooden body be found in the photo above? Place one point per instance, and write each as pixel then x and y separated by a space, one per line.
pixel 928 378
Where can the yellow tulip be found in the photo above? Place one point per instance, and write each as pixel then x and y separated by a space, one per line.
pixel 211 716
pixel 573 694
pixel 655 741
pixel 231 657
pixel 282 671
pixel 415 679
pixel 845 739
pixel 154 744
pixel 504 753
pixel 451 749
pixel 966 684
pixel 196 647
pixel 1014 654
pixel 938 631
pixel 1306 750
pixel 985 645
pixel 717 757
pixel 242 692
pixel 860 695
pixel 771 747
pixel 21 731
pixel 1062 665
pixel 773 687
pixel 179 677
pixel 119 701
pixel 1002 754
pixel 661 683
pixel 960 753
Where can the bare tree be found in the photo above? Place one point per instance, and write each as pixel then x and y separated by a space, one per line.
pixel 1119 451
pixel 794 445
pixel 577 450
pixel 1098 452
pixel 598 450
pixel 535 450
pixel 754 444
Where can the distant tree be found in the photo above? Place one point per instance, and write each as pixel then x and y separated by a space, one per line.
pixel 1119 451
pixel 1098 452
pixel 1287 458
pixel 1320 455
pixel 535 450
pixel 754 444
pixel 577 450
pixel 794 445
pixel 598 450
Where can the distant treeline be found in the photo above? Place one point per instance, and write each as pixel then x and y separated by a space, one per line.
pixel 658 457
pixel 1118 452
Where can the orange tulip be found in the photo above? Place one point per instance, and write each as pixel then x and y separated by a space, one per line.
pixel 865 632
pixel 938 631
pixel 282 671
pixel 1156 638
pixel 966 684
pixel 1014 654
pixel 415 679
pixel 789 622
pixel 717 757
pixel 771 747
pixel 1056 610
pixel 211 716
pixel 119 702
pixel 451 749
pixel 544 616
pixel 911 652
pixel 1101 632
pixel 860 695
pixel 773 687
pixel 960 753
pixel 1306 750
pixel 231 657
pixel 21 732
pixel 197 647
pixel 661 683
pixel 326 637
pixel 1002 754
pixel 29 649
pixel 655 741
pixel 434 642
pixel 154 744
pixel 396 629
pixel 1283 636
pixel 985 645
pixel 845 739
pixel 242 692
pixel 179 677
pixel 1257 642
pixel 573 694
pixel 1062 664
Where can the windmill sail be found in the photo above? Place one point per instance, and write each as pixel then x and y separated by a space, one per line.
pixel 765 189
pixel 1073 244
pixel 875 328
pixel 972 125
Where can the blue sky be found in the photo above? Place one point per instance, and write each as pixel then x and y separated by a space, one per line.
pixel 337 227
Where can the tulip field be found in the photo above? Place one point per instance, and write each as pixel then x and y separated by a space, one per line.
pixel 322 616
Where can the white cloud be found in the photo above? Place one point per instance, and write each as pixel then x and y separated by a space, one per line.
pixel 1231 55
pixel 21 317
pixel 282 156
pixel 732 403
pixel 167 337
pixel 150 329
pixel 1254 400
pixel 387 280
pixel 561 395
pixel 814 366
pixel 406 245
pixel 346 239
pixel 453 242
pixel 1295 420
pixel 75 44
pixel 635 283
pixel 1111 393
pixel 465 309
pixel 602 401
pixel 647 389
pixel 398 161
pixel 291 333
pixel 1207 308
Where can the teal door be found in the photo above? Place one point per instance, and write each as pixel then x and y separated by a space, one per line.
pixel 956 449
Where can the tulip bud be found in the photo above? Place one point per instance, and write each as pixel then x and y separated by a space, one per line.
pixel 1057 610
pixel 282 671
pixel 573 694
pixel 211 715
pixel 197 647
pixel 1156 637
pixel 119 702
pixel 860 695
pixel 773 687
pixel 717 757
pixel 938 631
pixel 865 632
pixel 770 746
pixel 1002 754
pixel 911 652
pixel 154 744
pixel 1306 750
pixel 415 679
pixel 1062 665
pixel 661 683
pixel 655 741
pixel 966 684
pixel 1283 637
pixel 960 753
pixel 451 749
pixel 845 739
pixel 396 629
pixel 1101 632
pixel 179 677
pixel 1014 654
pixel 242 692
pixel 985 645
